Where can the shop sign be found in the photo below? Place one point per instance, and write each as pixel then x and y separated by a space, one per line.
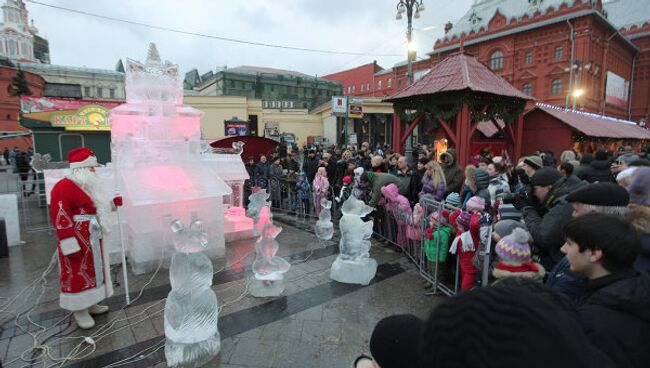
pixel 339 105
pixel 356 111
pixel 90 117
pixel 236 127
pixel 43 104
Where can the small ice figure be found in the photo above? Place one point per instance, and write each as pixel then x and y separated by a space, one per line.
pixel 268 268
pixel 324 227
pixel 256 208
pixel 191 309
pixel 353 264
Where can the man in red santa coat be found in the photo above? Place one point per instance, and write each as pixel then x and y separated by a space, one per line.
pixel 81 214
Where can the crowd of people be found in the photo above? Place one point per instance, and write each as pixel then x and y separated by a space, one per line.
pixel 569 280
pixel 570 243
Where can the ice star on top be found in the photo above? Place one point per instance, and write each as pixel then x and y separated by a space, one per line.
pixel 153 80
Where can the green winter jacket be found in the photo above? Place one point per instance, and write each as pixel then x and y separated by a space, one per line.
pixel 431 245
pixel 378 180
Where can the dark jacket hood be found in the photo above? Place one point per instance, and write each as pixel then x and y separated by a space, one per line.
pixel 450 153
pixel 482 179
pixel 630 295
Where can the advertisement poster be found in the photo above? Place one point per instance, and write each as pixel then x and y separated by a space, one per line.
pixel 44 104
pixel 616 91
pixel 236 128
pixel 339 105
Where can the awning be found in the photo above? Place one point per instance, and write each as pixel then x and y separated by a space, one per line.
pixel 594 125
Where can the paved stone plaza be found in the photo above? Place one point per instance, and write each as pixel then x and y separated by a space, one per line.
pixel 318 323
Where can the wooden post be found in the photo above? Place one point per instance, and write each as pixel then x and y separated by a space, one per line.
pixel 519 138
pixel 397 132
pixel 410 128
pixel 463 120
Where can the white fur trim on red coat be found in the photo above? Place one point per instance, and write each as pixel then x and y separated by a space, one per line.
pixel 91 161
pixel 69 246
pixel 84 299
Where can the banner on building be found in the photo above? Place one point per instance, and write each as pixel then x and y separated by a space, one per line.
pixel 339 105
pixel 356 111
pixel 617 91
pixel 44 104
pixel 235 127
pixel 89 117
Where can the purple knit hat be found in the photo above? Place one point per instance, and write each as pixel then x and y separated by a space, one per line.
pixel 640 186
pixel 475 203
pixel 463 219
pixel 514 249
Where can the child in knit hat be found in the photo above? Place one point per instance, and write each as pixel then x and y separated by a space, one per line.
pixel 515 257
pixel 345 191
pixel 468 238
pixel 453 199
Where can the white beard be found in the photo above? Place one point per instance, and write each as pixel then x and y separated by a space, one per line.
pixel 91 184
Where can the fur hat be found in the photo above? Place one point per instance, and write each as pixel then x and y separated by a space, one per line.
pixel 640 186
pixel 514 249
pixel 394 341
pixel 453 199
pixel 475 203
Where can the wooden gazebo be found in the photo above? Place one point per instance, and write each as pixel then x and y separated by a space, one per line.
pixel 460 93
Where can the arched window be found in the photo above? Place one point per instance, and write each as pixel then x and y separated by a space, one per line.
pixel 527 89
pixel 556 86
pixel 12 47
pixel 496 60
pixel 390 82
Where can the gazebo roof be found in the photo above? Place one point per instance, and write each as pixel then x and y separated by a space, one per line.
pixel 456 73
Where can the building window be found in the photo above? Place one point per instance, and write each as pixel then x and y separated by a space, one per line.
pixel 363 87
pixel 559 51
pixel 111 93
pixel 367 86
pixel 232 84
pixel 496 60
pixel 390 82
pixel 556 86
pixel 12 47
pixel 353 89
pixel 527 89
pixel 86 91
pixel 100 92
pixel 528 59
pixel 379 85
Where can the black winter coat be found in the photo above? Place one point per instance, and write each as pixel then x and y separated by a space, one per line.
pixel 599 171
pixel 615 315
pixel 546 222
pixel 310 166
pixel 454 176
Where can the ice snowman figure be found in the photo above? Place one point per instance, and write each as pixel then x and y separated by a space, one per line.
pixel 268 268
pixel 353 265
pixel 324 227
pixel 191 309
pixel 259 209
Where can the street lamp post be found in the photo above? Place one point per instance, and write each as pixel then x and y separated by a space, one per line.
pixel 412 8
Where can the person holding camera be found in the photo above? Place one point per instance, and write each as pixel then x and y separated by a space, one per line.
pixel 546 211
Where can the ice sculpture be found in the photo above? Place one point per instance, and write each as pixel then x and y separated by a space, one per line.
pixel 324 227
pixel 259 210
pixel 191 309
pixel 156 153
pixel 353 264
pixel 269 269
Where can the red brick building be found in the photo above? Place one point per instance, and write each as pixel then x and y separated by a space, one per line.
pixel 533 43
pixel 359 81
pixel 10 107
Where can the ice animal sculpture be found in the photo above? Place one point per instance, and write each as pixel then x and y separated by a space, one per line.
pixel 324 227
pixel 259 209
pixel 191 309
pixel 353 264
pixel 269 269
pixel 156 153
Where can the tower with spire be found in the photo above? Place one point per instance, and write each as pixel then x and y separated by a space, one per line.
pixel 19 40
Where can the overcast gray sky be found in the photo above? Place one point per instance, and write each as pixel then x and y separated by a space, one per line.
pixel 367 26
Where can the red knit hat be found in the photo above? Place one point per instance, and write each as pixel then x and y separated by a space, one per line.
pixel 81 157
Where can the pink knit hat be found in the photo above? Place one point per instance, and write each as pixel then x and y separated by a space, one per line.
pixel 475 203
pixel 513 249
pixel 464 219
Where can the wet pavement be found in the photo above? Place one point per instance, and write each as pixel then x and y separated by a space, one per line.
pixel 316 323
